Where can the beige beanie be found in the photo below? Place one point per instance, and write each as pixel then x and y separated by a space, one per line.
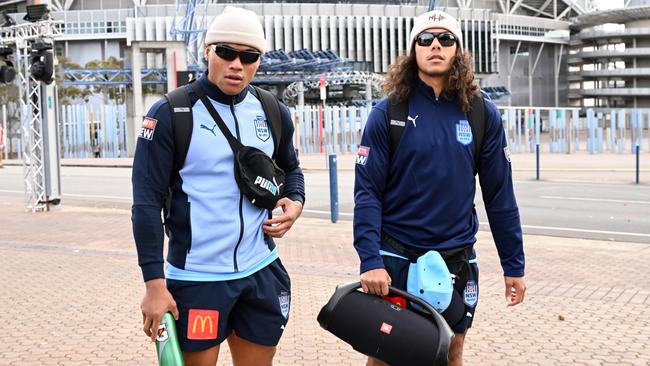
pixel 237 25
pixel 436 19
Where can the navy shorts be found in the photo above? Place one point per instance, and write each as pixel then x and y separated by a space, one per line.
pixel 256 308
pixel 398 268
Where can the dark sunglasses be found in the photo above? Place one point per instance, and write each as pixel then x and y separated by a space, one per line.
pixel 229 54
pixel 425 39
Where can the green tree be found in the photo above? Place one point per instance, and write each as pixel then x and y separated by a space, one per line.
pixel 68 94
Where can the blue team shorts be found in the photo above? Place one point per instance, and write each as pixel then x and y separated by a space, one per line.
pixel 256 308
pixel 398 268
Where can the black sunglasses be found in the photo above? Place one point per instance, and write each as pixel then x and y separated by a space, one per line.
pixel 425 39
pixel 229 54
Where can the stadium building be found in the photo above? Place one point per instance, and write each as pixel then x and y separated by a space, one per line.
pixel 609 60
pixel 520 47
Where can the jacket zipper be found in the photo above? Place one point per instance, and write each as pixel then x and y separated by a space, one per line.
pixel 241 196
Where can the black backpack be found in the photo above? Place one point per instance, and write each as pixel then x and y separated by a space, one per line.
pixel 398 113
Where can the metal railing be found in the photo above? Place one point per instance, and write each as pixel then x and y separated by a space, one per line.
pixel 555 130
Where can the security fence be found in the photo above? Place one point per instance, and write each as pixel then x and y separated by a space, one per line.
pixel 556 130
pixel 93 132
pixel 100 131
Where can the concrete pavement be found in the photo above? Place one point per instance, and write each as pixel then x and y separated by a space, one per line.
pixel 72 287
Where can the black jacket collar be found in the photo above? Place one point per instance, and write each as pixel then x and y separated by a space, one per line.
pixel 214 93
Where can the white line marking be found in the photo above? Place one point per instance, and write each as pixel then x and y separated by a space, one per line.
pixel 77 195
pixel 327 212
pixel 570 229
pixel 552 228
pixel 594 200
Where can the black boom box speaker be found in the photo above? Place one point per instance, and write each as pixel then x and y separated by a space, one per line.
pixel 385 331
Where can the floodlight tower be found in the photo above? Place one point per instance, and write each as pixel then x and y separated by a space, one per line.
pixel 189 25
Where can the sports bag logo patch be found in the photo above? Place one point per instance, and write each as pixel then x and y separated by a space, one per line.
pixel 261 128
pixel 464 132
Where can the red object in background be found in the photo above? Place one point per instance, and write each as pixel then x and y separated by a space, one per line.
pixel 399 301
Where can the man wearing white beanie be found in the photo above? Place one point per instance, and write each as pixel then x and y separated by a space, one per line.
pixel 415 179
pixel 223 278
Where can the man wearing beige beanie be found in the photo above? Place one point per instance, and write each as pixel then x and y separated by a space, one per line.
pixel 415 181
pixel 223 278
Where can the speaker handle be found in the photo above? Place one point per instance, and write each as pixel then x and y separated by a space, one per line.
pixel 340 292
pixel 446 334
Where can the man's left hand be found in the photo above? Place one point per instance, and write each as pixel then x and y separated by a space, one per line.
pixel 279 225
pixel 515 290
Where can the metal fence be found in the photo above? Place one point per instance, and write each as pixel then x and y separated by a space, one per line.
pixel 556 130
pixel 101 131
pixel 93 132
pixel 340 131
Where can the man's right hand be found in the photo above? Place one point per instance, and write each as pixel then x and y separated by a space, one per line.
pixel 156 302
pixel 375 282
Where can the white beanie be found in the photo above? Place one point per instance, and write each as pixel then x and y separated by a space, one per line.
pixel 436 19
pixel 237 25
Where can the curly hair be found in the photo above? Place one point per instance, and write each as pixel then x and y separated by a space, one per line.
pixel 402 78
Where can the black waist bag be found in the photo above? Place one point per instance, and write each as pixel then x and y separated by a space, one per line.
pixel 385 331
pixel 257 175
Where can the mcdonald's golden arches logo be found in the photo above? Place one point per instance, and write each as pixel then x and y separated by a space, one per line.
pixel 202 324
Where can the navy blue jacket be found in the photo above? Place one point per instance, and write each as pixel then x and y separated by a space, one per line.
pixel 424 198
pixel 214 229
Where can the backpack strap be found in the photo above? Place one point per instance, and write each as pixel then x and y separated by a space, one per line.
pixel 477 120
pixel 181 119
pixel 271 107
pixel 397 114
pixel 179 104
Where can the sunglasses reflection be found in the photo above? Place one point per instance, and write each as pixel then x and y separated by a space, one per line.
pixel 229 54
pixel 425 39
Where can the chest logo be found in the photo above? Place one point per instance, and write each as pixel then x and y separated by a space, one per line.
pixel 204 127
pixel 412 119
pixel 464 132
pixel 261 128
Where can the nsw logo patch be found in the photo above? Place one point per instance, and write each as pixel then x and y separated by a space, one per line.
pixel 285 302
pixel 261 128
pixel 471 293
pixel 362 155
pixel 147 129
pixel 464 132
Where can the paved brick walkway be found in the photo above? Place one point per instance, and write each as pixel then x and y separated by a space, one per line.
pixel 71 293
